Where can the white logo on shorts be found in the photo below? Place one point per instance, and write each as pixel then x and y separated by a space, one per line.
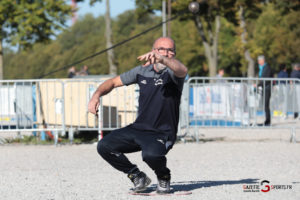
pixel 161 141
pixel 116 154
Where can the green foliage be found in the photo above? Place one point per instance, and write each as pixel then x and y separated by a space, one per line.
pixel 83 39
pixel 146 7
pixel 286 6
pixel 229 56
pixel 28 140
pixel 271 31
pixel 276 36
pixel 187 48
pixel 83 137
pixel 25 22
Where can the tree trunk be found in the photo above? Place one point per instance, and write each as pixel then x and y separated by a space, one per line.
pixel 211 46
pixel 110 53
pixel 169 16
pixel 247 55
pixel 214 64
pixel 1 60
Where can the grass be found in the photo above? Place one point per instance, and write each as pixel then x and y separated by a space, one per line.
pixel 79 138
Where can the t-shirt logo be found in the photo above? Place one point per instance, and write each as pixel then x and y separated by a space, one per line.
pixel 158 81
pixel 144 82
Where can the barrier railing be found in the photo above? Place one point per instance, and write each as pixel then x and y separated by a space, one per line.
pixel 28 105
pixel 240 102
pixel 52 107
pixel 117 109
pixel 56 106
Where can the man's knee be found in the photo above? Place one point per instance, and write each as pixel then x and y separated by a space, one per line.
pixel 102 148
pixel 153 158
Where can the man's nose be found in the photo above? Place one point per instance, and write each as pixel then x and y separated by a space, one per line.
pixel 165 53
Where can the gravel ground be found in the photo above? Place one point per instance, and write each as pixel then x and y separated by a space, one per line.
pixel 221 166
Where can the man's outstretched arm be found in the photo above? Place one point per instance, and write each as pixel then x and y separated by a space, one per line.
pixel 103 89
pixel 175 65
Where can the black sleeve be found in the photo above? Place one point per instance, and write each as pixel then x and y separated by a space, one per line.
pixel 177 80
pixel 267 73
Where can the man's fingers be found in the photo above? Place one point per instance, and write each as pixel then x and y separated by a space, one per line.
pixel 141 57
pixel 150 58
pixel 153 60
pixel 146 56
pixel 146 64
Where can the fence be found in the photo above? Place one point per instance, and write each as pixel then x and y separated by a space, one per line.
pixel 49 107
pixel 239 103
pixel 53 106
pixel 24 107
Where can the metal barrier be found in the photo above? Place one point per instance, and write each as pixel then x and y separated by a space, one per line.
pixel 239 102
pixel 117 109
pixel 26 105
pixel 56 106
pixel 53 107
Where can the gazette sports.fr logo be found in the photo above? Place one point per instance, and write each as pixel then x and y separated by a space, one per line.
pixel 265 186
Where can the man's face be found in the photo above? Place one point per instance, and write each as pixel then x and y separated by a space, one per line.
pixel 221 72
pixel 164 47
pixel 261 61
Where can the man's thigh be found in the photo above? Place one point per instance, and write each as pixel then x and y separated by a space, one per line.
pixel 152 143
pixel 121 140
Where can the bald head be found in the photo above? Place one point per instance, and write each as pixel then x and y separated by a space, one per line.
pixel 164 40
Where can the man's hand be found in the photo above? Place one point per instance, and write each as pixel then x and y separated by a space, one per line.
pixel 93 105
pixel 151 58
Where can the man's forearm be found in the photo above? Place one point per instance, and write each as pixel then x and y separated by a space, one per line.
pixel 108 86
pixel 176 66
pixel 104 88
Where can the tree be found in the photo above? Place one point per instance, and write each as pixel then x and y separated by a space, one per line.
pixel 25 22
pixel 263 31
pixel 276 34
pixel 207 21
pixel 248 11
pixel 108 36
pixel 78 42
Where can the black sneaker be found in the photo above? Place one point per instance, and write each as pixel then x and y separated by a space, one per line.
pixel 140 181
pixel 163 185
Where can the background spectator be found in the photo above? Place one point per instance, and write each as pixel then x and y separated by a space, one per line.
pixel 84 71
pixel 296 75
pixel 71 72
pixel 220 75
pixel 282 73
pixel 265 72
pixel 283 89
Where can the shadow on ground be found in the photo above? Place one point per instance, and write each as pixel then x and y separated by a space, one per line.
pixel 192 185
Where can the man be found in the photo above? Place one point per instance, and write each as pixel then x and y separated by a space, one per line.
pixel 72 72
pixel 84 71
pixel 295 74
pixel 220 75
pixel 265 72
pixel 283 74
pixel 160 80
pixel 296 71
pixel 283 89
